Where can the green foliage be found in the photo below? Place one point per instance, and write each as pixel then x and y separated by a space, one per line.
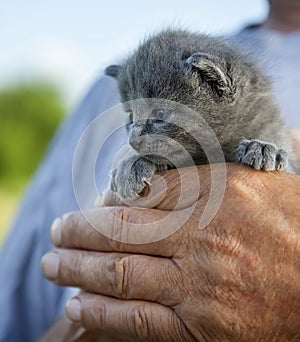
pixel 29 115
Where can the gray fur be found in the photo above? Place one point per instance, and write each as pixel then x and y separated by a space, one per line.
pixel 217 81
pixel 261 155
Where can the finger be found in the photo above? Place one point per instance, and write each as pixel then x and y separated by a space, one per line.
pixel 64 330
pixel 136 320
pixel 124 276
pixel 169 190
pixel 68 331
pixel 108 198
pixel 122 229
pixel 133 229
pixel 136 230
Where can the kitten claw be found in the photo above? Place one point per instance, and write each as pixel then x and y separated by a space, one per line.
pixel 146 181
pixel 135 194
pixel 261 155
pixel 132 179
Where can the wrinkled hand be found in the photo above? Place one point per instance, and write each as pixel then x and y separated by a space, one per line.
pixel 236 280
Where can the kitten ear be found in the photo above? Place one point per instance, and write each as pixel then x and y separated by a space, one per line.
pixel 113 70
pixel 211 70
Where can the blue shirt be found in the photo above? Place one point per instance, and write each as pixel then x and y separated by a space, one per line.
pixel 29 304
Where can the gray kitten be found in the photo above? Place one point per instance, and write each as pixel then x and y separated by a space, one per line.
pixel 220 85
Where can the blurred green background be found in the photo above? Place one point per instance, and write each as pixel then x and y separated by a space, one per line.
pixel 30 113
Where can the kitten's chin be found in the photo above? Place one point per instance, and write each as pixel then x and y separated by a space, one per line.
pixel 174 162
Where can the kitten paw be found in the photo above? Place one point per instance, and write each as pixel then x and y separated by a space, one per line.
pixel 261 155
pixel 132 177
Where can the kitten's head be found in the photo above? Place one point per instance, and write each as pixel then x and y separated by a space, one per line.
pixel 198 71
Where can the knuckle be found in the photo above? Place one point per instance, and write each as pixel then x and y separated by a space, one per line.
pixel 141 321
pixel 226 241
pixel 245 185
pixel 236 184
pixel 118 226
pixel 70 269
pixel 95 317
pixel 80 265
pixel 122 270
pixel 123 227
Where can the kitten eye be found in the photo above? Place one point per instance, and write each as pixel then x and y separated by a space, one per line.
pixel 130 115
pixel 161 114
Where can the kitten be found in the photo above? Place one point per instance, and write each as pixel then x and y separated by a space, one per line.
pixel 219 85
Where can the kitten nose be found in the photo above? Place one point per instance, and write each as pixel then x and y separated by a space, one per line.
pixel 136 142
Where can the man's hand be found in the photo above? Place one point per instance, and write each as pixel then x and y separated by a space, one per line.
pixel 236 280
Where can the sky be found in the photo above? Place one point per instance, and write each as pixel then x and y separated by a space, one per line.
pixel 69 42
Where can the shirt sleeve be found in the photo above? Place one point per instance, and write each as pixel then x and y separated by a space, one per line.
pixel 29 303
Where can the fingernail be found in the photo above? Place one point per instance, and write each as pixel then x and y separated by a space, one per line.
pixel 55 231
pixel 66 215
pixel 73 310
pixel 50 265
